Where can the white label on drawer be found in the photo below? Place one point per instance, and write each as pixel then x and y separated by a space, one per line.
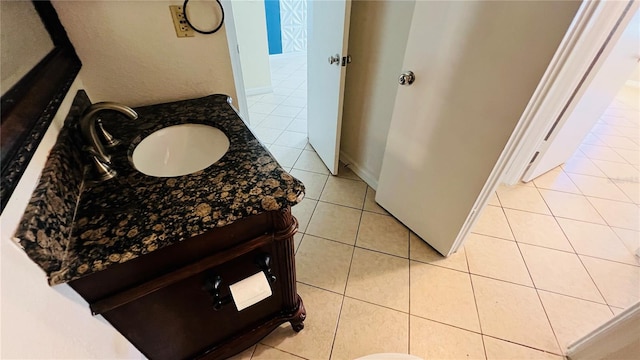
pixel 250 291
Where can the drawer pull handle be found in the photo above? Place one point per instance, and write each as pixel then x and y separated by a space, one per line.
pixel 264 264
pixel 213 282
pixel 212 285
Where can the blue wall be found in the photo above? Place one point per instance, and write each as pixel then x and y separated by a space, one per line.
pixel 274 35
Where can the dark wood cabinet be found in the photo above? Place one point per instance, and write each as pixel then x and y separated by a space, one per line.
pixel 165 302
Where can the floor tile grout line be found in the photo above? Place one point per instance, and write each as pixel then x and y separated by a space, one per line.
pixel 447 324
pixel 571 296
pixel 253 351
pixel 528 211
pixel 564 217
pixel 570 179
pixel 476 332
pixel 624 158
pixel 298 157
pixel 409 314
pixel 511 282
pixel 309 222
pixel 475 302
pixel 409 273
pixel 284 351
pixel 615 183
pixel 609 260
pixel 574 251
pixel 423 317
pixel 531 276
pixel 597 211
pixel 493 236
pixel 525 345
pixel 524 261
pixel 546 314
pixel 351 207
pixel 599 177
pixel 335 334
pixel 364 248
pixel 582 262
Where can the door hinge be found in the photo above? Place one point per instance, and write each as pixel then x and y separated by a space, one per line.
pixel 346 60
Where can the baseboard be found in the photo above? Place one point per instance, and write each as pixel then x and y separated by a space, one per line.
pixel 365 175
pixel 619 335
pixel 633 83
pixel 258 91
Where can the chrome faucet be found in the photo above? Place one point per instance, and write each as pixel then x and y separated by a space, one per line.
pixel 89 126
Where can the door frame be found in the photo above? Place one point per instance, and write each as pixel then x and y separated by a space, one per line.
pixel 588 38
pixel 591 37
pixel 234 54
pixel 618 333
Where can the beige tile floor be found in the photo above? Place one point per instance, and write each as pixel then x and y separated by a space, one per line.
pixel 547 262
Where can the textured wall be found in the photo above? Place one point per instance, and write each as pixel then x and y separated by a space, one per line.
pixel 130 53
pixel 293 22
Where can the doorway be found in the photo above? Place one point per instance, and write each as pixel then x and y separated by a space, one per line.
pixel 279 118
pixel 274 66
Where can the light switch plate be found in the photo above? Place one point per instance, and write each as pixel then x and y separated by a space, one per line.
pixel 182 28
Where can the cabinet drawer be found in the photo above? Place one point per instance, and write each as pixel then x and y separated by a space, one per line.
pixel 179 321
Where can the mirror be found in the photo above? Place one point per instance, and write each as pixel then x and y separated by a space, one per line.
pixel 36 87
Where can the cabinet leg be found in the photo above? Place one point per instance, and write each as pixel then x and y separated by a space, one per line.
pixel 297 322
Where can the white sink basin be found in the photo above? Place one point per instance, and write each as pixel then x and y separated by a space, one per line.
pixel 179 150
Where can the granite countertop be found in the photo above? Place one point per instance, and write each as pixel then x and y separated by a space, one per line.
pixel 135 214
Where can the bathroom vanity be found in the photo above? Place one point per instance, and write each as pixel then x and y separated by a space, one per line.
pixel 155 256
pixel 167 303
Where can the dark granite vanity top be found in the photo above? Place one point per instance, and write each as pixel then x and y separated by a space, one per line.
pixel 135 214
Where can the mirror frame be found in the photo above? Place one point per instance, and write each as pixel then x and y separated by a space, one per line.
pixel 30 105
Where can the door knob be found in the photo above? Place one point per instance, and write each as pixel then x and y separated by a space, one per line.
pixel 407 78
pixel 334 59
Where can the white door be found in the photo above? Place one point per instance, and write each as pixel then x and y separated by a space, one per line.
pixel 472 82
pixel 567 134
pixel 328 32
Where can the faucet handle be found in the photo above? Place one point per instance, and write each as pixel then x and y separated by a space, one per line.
pixel 109 140
pixel 102 169
pixel 93 152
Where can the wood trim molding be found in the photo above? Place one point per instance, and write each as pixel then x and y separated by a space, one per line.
pixel 134 293
pixel 620 333
pixel 583 45
pixel 359 170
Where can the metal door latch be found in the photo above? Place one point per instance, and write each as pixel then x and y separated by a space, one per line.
pixel 407 78
pixel 334 59
pixel 346 60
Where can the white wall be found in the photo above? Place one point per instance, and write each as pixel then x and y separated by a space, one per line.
pixel 251 31
pixel 23 41
pixel 39 321
pixel 130 53
pixel 377 41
